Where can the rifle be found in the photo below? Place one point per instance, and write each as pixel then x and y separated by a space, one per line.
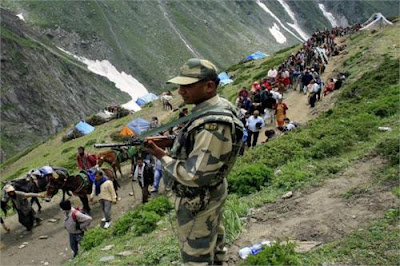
pixel 160 141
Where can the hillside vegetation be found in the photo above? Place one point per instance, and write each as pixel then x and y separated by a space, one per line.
pixel 42 89
pixel 321 150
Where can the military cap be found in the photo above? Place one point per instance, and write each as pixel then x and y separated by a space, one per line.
pixel 194 70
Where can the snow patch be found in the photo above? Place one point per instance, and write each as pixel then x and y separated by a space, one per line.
pixel 275 31
pixel 122 81
pixel 266 9
pixel 21 17
pixel 295 25
pixel 329 16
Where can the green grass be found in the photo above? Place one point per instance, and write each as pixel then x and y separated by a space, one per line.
pixel 375 245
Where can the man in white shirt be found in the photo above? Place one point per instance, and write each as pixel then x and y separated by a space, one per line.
pixel 254 125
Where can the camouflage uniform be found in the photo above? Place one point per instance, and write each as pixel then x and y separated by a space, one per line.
pixel 198 164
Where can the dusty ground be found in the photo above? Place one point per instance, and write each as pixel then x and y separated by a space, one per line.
pixel 323 214
pixel 55 250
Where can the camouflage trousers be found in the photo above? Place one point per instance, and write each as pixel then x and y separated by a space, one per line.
pixel 201 232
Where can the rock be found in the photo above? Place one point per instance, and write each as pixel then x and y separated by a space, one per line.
pixel 304 246
pixel 287 195
pixel 25 243
pixel 43 237
pixel 125 253
pixel 278 172
pixel 108 247
pixel 130 193
pixel 353 216
pixel 385 128
pixel 107 258
pixel 46 263
pixel 52 220
pixel 22 246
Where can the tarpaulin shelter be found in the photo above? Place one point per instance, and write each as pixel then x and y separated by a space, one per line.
pixel 139 125
pixel 377 20
pixel 255 56
pixel 146 99
pixel 126 131
pixel 84 127
pixel 224 78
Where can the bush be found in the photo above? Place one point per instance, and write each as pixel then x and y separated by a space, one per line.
pixel 96 120
pixel 116 136
pixel 74 135
pixel 94 237
pixel 161 205
pixel 389 149
pixel 249 178
pixel 277 254
pixel 144 219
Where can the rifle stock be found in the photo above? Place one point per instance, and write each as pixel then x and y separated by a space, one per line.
pixel 160 141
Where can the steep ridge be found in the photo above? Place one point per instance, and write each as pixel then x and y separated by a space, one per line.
pixel 149 39
pixel 42 89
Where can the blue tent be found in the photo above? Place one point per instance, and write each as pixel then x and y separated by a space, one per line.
pixel 224 78
pixel 146 99
pixel 84 127
pixel 257 55
pixel 139 125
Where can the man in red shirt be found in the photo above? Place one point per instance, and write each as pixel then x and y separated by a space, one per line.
pixel 85 160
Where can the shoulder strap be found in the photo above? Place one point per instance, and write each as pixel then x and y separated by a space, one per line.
pixel 74 215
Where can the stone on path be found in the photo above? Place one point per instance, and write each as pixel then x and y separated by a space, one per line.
pixel 287 195
pixel 46 263
pixel 52 220
pixel 304 246
pixel 107 258
pixel 108 247
pixel 125 253
pixel 43 237
pixel 22 246
pixel 25 243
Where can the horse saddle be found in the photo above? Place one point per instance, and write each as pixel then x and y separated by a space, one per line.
pixel 87 177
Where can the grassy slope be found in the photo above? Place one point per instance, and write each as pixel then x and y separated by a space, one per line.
pixel 317 152
pixel 55 152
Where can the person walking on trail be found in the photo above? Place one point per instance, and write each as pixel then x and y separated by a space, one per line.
pixel 85 160
pixel 3 224
pixel 280 112
pixel 157 175
pixel 76 223
pixel 19 199
pixel 254 125
pixel 199 162
pixel 104 190
pixel 144 174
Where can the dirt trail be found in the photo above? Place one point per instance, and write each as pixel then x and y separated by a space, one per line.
pixel 55 250
pixel 324 214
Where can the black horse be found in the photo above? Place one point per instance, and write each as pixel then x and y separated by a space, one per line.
pixel 34 182
pixel 80 185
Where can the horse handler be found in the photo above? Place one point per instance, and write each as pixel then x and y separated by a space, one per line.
pixel 26 215
pixel 104 189
pixel 75 222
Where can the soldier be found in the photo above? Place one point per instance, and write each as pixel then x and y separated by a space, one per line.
pixel 199 162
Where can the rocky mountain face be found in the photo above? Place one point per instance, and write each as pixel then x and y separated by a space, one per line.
pixel 42 90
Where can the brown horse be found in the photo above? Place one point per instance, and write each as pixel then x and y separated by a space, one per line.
pixel 79 185
pixel 115 158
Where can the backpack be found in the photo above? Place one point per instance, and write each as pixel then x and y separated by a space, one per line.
pixel 77 223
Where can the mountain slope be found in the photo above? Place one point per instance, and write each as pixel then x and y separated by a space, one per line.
pixel 149 39
pixel 43 90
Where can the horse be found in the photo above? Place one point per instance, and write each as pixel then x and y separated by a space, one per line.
pixel 35 181
pixel 115 157
pixel 80 185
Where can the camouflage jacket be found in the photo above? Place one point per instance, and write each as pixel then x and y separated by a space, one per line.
pixel 206 149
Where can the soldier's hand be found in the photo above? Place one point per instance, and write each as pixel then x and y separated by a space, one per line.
pixel 153 149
